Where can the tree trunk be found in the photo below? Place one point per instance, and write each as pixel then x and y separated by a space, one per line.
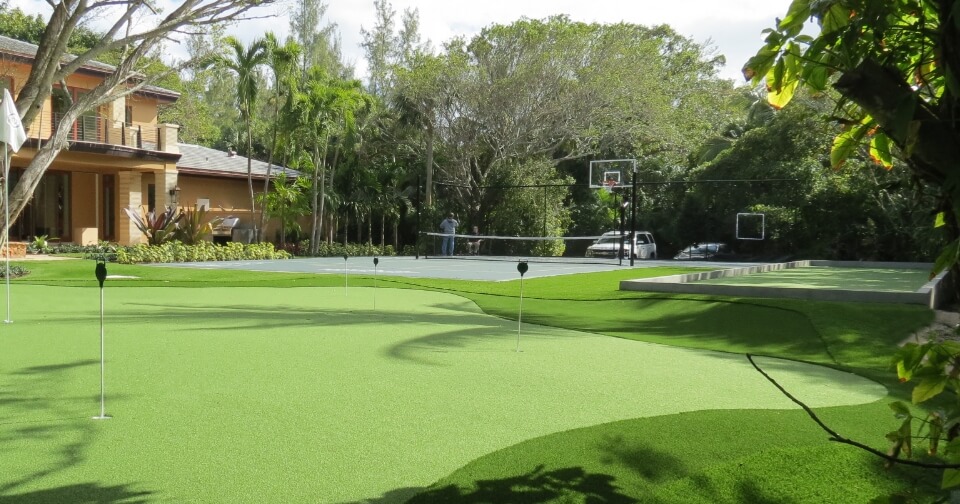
pixel 314 204
pixel 396 234
pixel 429 167
pixel 253 208
pixel 383 232
pixel 266 182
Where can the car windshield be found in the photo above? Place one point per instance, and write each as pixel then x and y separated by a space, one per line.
pixel 607 240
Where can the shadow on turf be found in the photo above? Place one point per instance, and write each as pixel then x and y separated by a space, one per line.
pixel 538 485
pixel 34 409
pixel 81 492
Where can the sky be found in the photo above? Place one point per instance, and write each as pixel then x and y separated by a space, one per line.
pixel 732 27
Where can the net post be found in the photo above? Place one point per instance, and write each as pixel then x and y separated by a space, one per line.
pixel 633 214
pixel 620 240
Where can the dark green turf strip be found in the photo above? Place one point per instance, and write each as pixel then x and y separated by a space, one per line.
pixel 706 456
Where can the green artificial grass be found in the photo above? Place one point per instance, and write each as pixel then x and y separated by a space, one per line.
pixel 704 456
pixel 819 277
pixel 309 395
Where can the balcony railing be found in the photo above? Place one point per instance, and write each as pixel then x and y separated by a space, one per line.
pixel 96 129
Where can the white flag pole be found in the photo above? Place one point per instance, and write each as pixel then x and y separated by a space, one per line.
pixel 6 222
pixel 101 273
pixel 522 268
pixel 12 135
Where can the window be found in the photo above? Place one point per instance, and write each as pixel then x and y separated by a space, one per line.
pixel 151 197
pixel 128 114
pixel 48 213
pixel 87 126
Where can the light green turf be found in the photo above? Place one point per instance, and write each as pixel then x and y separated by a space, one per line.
pixel 821 277
pixel 309 395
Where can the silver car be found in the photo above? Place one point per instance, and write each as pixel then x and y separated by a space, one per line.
pixel 644 247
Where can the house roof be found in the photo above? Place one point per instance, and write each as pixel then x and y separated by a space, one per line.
pixel 199 160
pixel 28 52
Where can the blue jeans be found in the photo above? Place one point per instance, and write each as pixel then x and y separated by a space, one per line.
pixel 447 247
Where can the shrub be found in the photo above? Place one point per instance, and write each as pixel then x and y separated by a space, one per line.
pixel 158 227
pixel 16 271
pixel 350 249
pixel 192 229
pixel 39 245
pixel 176 251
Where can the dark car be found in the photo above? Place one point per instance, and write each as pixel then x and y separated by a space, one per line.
pixel 704 251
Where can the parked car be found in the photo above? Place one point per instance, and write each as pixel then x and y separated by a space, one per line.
pixel 704 251
pixel 645 247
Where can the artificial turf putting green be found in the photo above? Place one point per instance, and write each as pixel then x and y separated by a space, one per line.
pixel 725 456
pixel 822 277
pixel 309 395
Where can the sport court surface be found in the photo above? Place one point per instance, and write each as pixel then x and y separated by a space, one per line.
pixel 312 395
pixel 457 268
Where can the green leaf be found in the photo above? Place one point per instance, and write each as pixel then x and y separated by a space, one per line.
pixel 951 478
pixel 845 144
pixel 928 388
pixel 906 436
pixel 880 150
pixel 815 76
pixel 947 258
pixel 758 66
pixel 904 373
pixel 796 16
pixel 940 220
pixel 780 99
pixel 953 448
pixel 836 18
pixel 900 409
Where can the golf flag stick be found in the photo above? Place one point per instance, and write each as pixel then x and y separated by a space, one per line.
pixel 12 136
pixel 101 272
pixel 522 268
pixel 376 261
pixel 345 274
pixel 6 225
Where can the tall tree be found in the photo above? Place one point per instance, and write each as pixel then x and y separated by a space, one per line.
pixel 244 62
pixel 136 32
pixel 325 110
pixel 380 47
pixel 560 90
pixel 319 40
pixel 895 67
pixel 206 110
pixel 283 63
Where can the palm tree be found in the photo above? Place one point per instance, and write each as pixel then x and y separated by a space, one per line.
pixel 283 62
pixel 244 62
pixel 326 111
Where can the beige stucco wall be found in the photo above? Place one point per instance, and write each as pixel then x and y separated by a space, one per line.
pixel 228 197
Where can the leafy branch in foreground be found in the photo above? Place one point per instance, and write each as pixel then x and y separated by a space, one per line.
pixel 891 458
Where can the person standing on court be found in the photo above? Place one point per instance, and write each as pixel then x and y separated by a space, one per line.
pixel 448 227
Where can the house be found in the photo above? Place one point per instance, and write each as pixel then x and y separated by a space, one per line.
pixel 118 156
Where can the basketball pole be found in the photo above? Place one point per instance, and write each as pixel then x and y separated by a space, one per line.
pixel 633 214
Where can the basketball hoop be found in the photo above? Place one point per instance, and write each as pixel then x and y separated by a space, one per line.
pixel 608 185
